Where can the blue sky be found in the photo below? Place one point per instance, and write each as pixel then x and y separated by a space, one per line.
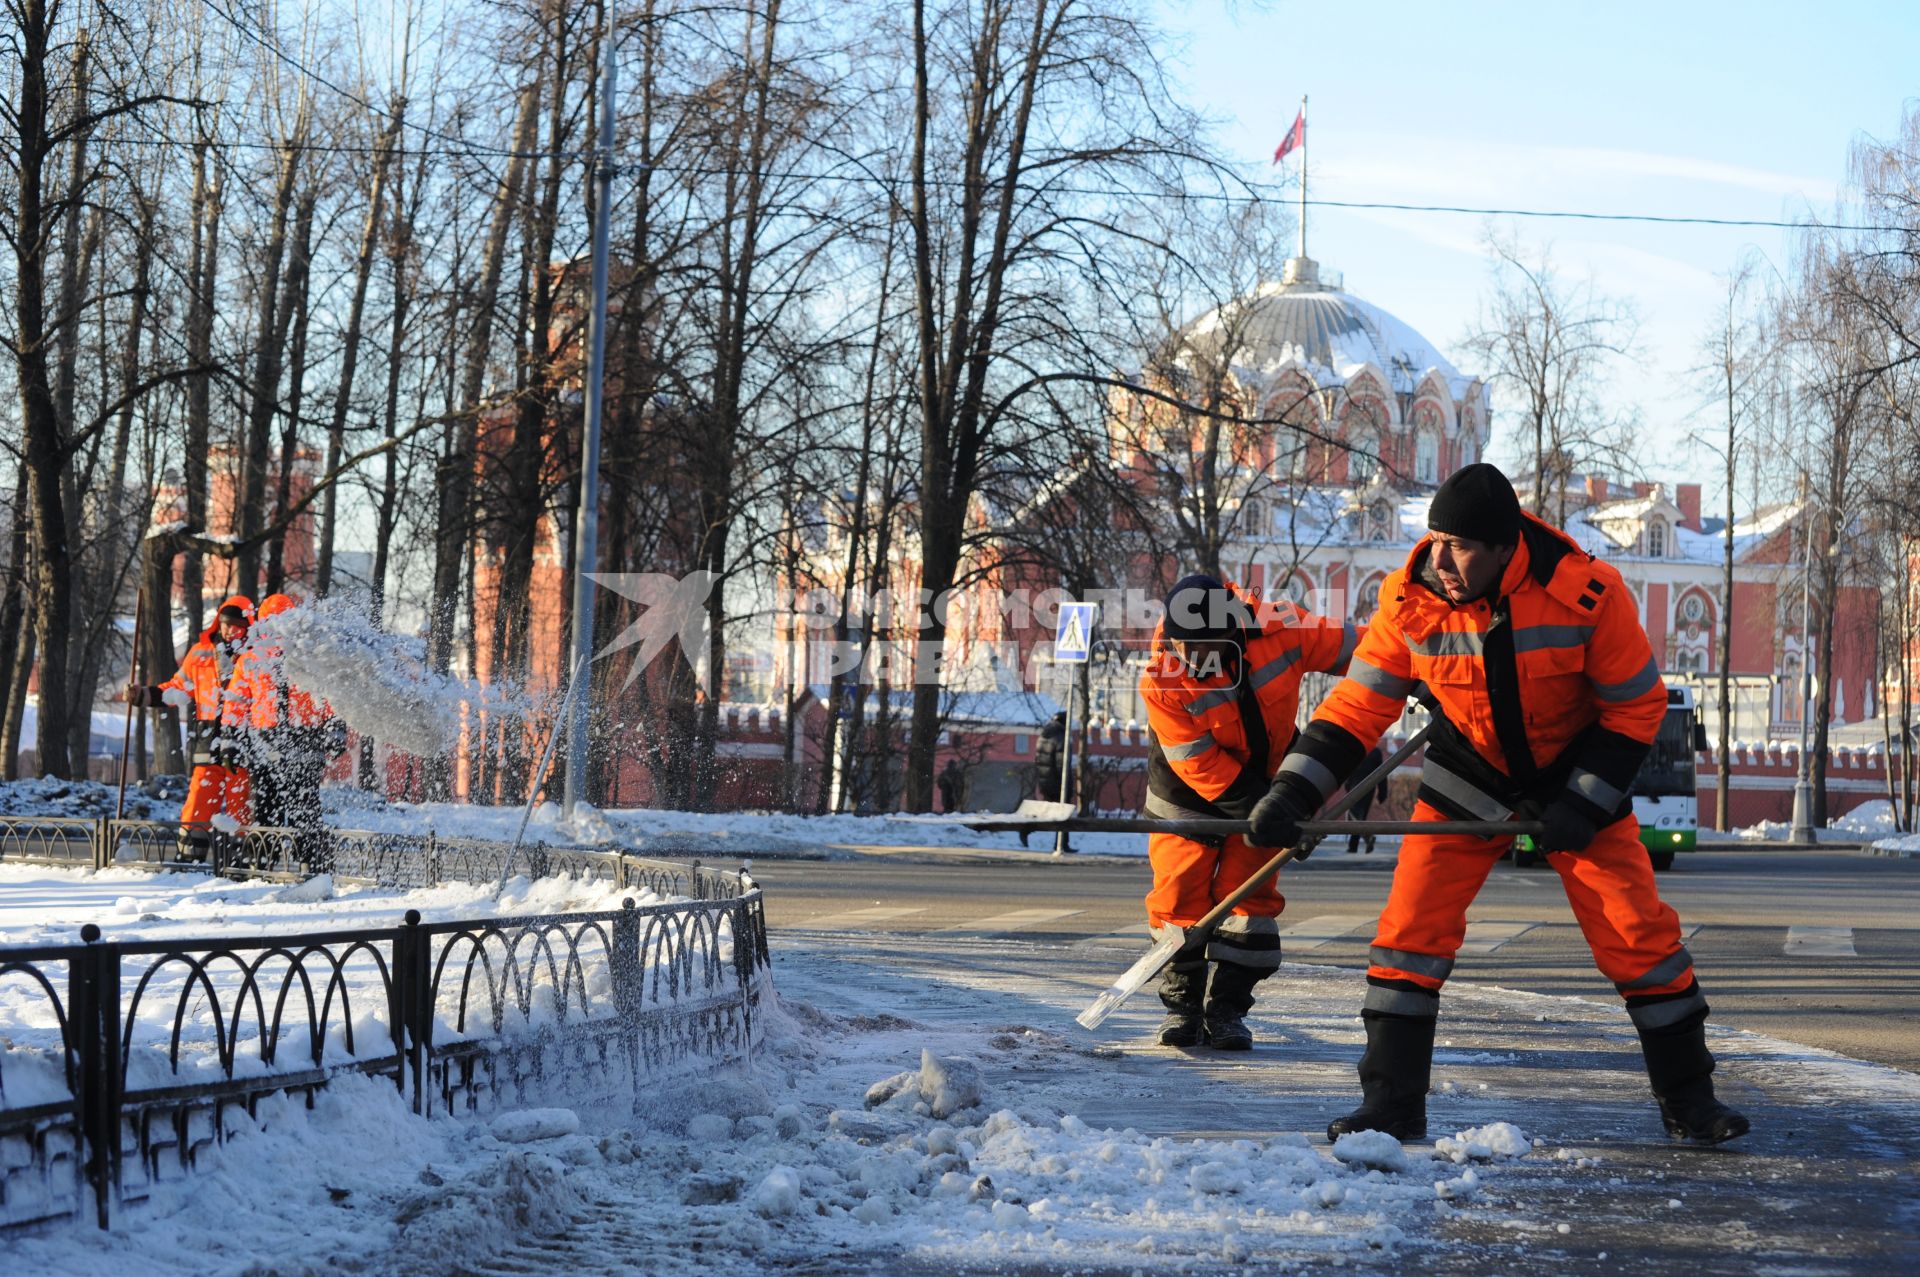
pixel 1681 109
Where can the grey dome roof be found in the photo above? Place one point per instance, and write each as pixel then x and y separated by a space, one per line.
pixel 1319 324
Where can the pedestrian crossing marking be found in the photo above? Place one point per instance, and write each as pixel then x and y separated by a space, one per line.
pixel 1134 937
pixel 1820 942
pixel 854 919
pixel 1311 933
pixel 1486 937
pixel 1014 921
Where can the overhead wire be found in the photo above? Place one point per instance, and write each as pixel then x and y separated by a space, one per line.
pixel 1257 192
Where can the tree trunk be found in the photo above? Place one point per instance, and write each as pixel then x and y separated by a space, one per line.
pixel 43 451
pixel 158 659
pixel 350 347
pixel 203 279
pixel 299 284
pixel 17 700
pixel 275 315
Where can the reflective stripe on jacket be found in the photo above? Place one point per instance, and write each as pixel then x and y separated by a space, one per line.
pixel 1200 742
pixel 1550 689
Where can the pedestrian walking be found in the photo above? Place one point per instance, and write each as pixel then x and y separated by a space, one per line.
pixel 1547 699
pixel 213 705
pixel 1222 689
pixel 1364 804
pixel 1047 761
pixel 952 781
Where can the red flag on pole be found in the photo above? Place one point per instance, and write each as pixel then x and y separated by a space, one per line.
pixel 1296 136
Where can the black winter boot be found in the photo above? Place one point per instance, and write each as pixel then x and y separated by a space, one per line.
pixel 1183 989
pixel 1681 1070
pixel 1395 1072
pixel 1229 998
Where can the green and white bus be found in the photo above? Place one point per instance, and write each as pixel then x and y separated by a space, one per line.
pixel 1666 795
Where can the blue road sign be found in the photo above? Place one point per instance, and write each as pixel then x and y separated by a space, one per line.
pixel 1074 640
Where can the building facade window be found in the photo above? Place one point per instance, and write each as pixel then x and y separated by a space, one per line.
pixel 1657 539
pixel 1426 457
pixel 1363 462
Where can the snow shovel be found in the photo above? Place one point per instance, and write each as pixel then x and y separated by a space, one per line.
pixel 1194 938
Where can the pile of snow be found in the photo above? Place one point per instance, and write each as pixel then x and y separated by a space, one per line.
pixel 1872 819
pixel 90 799
pixel 379 682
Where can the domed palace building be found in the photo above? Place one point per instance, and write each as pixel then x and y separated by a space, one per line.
pixel 1362 417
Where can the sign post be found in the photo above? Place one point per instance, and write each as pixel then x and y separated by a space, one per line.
pixel 1072 645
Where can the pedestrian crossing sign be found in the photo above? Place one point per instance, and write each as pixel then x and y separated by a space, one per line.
pixel 1074 640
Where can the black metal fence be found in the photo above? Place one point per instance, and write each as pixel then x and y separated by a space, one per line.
pixel 148 1047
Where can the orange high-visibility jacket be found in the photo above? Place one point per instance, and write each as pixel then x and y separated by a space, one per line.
pixel 271 701
pixel 1548 691
pixel 207 675
pixel 1203 729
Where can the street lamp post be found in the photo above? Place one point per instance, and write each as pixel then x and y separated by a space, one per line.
pixel 1803 779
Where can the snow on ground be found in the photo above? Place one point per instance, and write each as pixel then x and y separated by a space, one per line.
pixel 88 799
pixel 923 1111
pixel 711 832
pixel 852 1131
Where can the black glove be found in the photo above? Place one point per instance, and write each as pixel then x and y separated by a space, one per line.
pixel 1564 828
pixel 1275 821
pixel 230 751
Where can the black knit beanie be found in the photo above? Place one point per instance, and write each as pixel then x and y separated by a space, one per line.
pixel 232 615
pixel 1477 502
pixel 1201 608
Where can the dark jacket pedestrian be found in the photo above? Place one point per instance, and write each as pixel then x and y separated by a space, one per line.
pixel 952 782
pixel 1046 758
pixel 1368 765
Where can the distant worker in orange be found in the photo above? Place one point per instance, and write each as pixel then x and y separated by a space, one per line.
pixel 219 792
pixel 1548 700
pixel 1222 689
pixel 290 739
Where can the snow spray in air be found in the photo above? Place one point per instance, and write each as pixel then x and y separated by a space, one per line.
pixel 380 683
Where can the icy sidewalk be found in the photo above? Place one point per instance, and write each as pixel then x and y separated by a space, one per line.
pixel 854 1143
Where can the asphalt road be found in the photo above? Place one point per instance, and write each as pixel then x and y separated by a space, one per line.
pixel 1816 947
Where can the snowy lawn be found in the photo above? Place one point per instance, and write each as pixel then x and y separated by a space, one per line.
pixel 45 906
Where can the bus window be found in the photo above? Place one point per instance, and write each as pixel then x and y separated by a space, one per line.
pixel 1669 768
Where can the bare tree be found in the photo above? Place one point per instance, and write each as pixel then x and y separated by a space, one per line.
pixel 1737 369
pixel 1550 344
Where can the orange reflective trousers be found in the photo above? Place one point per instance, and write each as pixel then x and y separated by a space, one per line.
pixel 212 790
pixel 1634 935
pixel 1189 879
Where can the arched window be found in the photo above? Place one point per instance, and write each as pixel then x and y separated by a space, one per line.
pixel 1368 602
pixel 1657 538
pixel 1363 461
pixel 1426 457
pixel 1253 518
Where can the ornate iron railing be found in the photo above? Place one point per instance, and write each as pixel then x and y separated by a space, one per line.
pixel 146 1045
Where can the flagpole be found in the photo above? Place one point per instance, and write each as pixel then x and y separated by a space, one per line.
pixel 1303 175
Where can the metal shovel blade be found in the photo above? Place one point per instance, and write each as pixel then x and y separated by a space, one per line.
pixel 1133 978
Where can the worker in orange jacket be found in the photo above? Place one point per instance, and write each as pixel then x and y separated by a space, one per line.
pixel 1548 700
pixel 1222 690
pixel 290 738
pixel 214 707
